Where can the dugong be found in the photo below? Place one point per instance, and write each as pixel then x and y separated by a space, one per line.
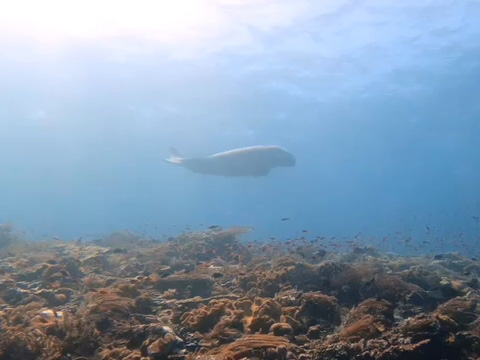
pixel 248 161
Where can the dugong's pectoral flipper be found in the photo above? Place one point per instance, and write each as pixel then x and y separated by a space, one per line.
pixel 175 157
pixel 261 172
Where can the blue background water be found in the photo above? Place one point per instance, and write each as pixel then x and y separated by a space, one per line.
pixel 378 101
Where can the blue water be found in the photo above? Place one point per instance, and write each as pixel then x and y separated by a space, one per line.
pixel 379 102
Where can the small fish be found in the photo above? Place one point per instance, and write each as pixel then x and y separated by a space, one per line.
pixel 217 275
pixel 436 293
pixel 211 227
pixel 285 219
pixel 320 253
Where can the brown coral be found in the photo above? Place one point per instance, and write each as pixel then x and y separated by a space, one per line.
pixel 259 346
pixel 318 309
pixel 382 310
pixel 457 313
pixel 265 312
pixel 206 317
pixel 108 301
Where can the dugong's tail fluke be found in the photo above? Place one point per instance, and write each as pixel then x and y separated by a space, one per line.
pixel 175 157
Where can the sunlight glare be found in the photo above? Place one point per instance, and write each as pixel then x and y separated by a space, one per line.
pixel 63 19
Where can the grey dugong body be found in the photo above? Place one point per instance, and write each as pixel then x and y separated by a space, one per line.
pixel 248 161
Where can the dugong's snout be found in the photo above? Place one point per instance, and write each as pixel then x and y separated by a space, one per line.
pixel 286 159
pixel 290 160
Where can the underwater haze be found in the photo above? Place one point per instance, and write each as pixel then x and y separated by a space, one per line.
pixel 379 102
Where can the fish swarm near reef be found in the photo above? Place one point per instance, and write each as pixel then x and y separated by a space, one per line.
pixel 208 295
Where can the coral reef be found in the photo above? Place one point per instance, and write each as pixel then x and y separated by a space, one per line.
pixel 209 295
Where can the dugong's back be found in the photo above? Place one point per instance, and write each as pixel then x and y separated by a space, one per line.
pixel 249 161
